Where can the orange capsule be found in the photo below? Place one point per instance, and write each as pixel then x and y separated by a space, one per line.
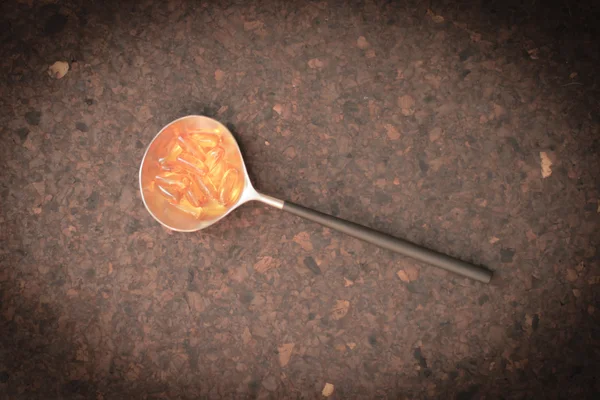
pixel 191 148
pixel 192 164
pixel 217 171
pixel 172 151
pixel 195 195
pixel 211 187
pixel 172 179
pixel 171 166
pixel 195 212
pixel 210 213
pixel 205 139
pixel 203 187
pixel 186 181
pixel 191 197
pixel 198 193
pixel 172 194
pixel 230 188
pixel 214 156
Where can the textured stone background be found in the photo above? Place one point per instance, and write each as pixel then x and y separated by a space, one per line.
pixel 374 111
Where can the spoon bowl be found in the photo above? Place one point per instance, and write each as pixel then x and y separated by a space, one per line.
pixel 165 213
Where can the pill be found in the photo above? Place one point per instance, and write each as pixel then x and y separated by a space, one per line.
pixel 193 164
pixel 230 187
pixel 205 140
pixel 172 194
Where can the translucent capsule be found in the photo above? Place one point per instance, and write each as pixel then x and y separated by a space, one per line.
pixel 214 131
pixel 193 164
pixel 211 187
pixel 205 140
pixel 172 179
pixel 191 197
pixel 171 152
pixel 230 187
pixel 171 166
pixel 195 195
pixel 191 148
pixel 217 171
pixel 209 213
pixel 214 156
pixel 171 193
pixel 203 187
pixel 187 208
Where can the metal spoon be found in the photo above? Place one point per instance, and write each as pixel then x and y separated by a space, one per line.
pixel 180 222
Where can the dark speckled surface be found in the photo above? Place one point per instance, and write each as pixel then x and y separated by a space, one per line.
pixel 429 131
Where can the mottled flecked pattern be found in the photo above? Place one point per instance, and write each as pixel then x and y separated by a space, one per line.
pixel 429 131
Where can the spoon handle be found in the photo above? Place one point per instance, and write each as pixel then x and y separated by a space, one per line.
pixel 385 241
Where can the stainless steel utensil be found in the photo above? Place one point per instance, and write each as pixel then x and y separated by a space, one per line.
pixel 181 222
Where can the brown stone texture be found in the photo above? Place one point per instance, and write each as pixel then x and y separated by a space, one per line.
pixel 426 125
